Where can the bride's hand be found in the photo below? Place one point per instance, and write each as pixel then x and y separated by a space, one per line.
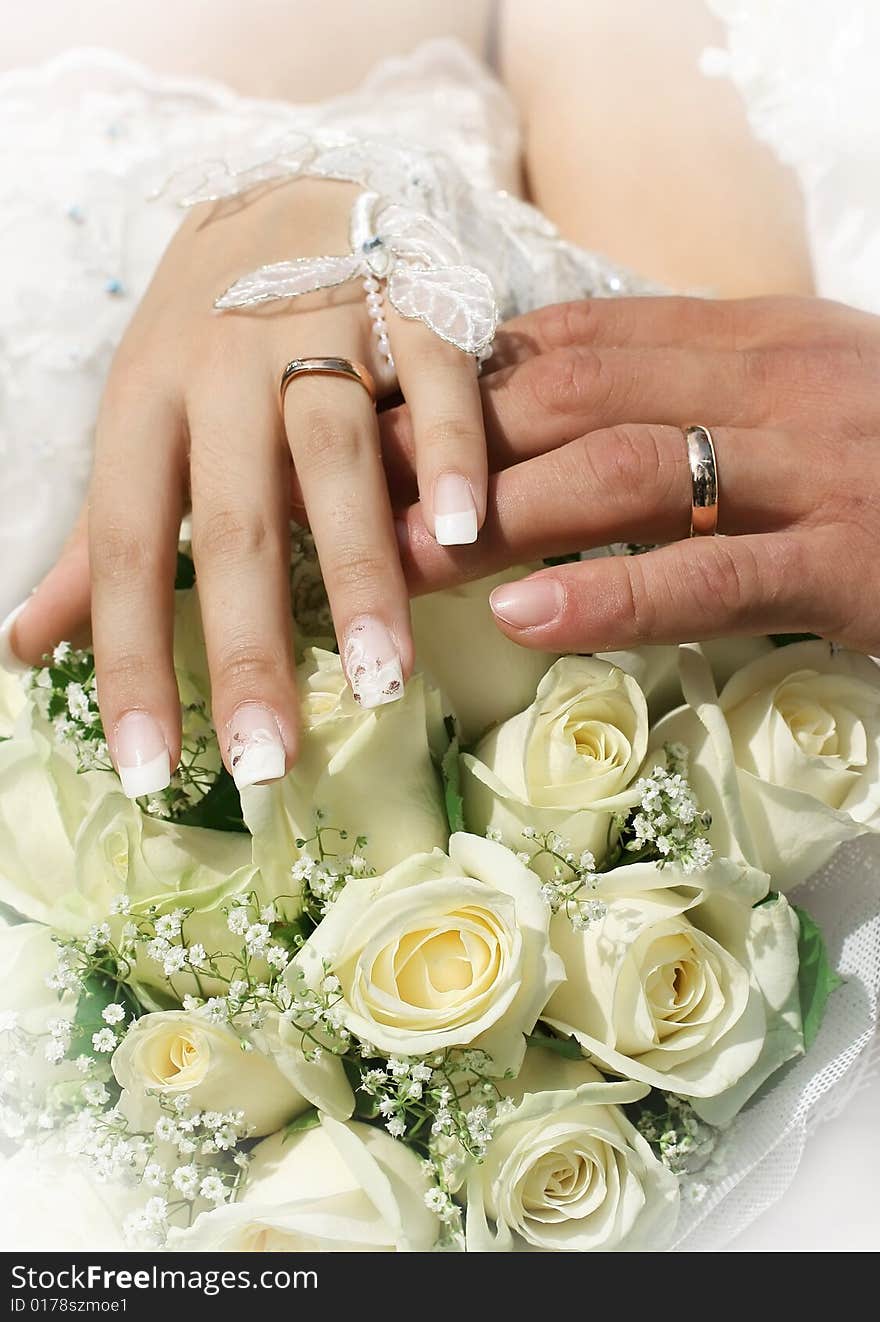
pixel 191 414
pixel 589 434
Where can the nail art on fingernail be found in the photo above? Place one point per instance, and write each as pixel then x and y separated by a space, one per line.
pixel 8 660
pixel 256 749
pixel 529 603
pixel 142 757
pixel 455 512
pixel 372 663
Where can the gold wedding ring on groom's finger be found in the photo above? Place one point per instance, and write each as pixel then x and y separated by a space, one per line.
pixel 345 367
pixel 704 481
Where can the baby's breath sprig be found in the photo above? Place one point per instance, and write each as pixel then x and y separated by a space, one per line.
pixel 668 824
pixel 322 872
pixel 445 1106
pixel 575 880
pixel 681 1140
pixel 65 692
pixel 190 1161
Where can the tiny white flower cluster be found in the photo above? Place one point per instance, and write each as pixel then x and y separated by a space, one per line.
pixel 574 882
pixel 448 1103
pixel 65 692
pixel 314 1012
pixel 682 1141
pixel 321 874
pixel 190 1157
pixel 669 822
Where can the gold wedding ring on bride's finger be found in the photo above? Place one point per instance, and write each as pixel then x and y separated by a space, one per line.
pixel 704 481
pixel 345 367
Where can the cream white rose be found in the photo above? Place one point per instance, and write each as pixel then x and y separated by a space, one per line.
pixel 565 1171
pixel 335 1188
pixel 567 763
pixel 485 676
pixel 683 984
pixel 371 772
pixel 655 667
pixel 180 1052
pixel 787 758
pixel 159 863
pixel 442 951
pixel 43 802
pixel 12 701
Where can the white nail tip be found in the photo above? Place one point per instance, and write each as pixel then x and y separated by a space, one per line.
pixel 8 660
pixel 150 778
pixel 259 762
pixel 456 529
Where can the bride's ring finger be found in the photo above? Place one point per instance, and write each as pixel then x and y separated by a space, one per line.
pixel 441 387
pixel 334 440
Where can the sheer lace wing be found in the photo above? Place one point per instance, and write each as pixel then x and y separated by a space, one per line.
pixel 456 302
pixel 288 279
pixel 417 238
pixel 210 181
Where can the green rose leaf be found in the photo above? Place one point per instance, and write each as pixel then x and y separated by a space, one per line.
pixel 186 573
pixel 219 810
pixel 568 1047
pixel 450 769
pixel 98 992
pixel 816 978
pixel 787 639
pixel 309 1119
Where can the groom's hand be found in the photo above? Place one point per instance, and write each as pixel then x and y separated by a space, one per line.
pixel 584 420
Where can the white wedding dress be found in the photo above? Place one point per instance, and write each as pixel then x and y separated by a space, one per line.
pixel 85 140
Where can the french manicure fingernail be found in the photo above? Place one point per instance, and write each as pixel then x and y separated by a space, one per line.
pixel 372 663
pixel 529 603
pixel 256 749
pixel 142 757
pixel 455 511
pixel 8 659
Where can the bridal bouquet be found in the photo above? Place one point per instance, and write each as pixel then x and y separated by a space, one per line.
pixel 494 967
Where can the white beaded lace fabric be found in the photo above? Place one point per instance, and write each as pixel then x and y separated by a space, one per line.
pixel 86 139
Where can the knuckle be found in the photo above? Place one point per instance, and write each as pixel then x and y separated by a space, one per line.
pixel 566 381
pixel 727 580
pixel 229 535
pixel 122 673
pixel 119 553
pixel 358 576
pixel 629 610
pixel 247 664
pixel 615 462
pixel 450 434
pixel 564 324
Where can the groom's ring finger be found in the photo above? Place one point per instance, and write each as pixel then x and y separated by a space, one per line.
pixel 631 483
